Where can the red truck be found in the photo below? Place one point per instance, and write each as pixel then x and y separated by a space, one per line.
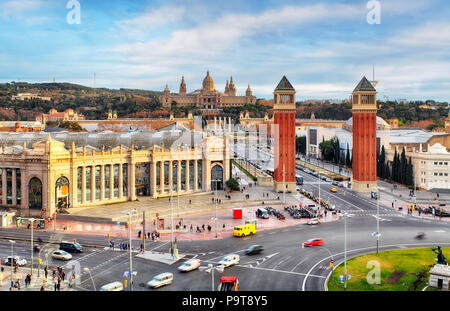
pixel 228 284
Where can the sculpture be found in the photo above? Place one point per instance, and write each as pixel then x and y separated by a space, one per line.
pixel 440 257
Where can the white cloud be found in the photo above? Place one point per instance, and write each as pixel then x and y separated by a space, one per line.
pixel 18 8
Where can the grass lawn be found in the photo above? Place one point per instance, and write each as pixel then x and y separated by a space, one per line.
pixel 406 261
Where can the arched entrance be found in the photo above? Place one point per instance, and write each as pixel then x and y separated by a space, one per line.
pixel 35 194
pixel 217 177
pixel 62 192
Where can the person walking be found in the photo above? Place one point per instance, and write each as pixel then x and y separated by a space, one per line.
pixel 42 288
pixel 55 286
pixel 46 272
pixel 191 228
pixel 223 226
pixel 203 227
pixel 139 234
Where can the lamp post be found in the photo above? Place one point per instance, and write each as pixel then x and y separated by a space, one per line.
pixel 171 222
pixel 32 220
pixel 284 186
pixel 378 215
pixel 129 213
pixel 12 262
pixel 210 269
pixel 88 270
pixel 215 217
pixel 345 251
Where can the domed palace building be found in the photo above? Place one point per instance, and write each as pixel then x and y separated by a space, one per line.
pixel 207 98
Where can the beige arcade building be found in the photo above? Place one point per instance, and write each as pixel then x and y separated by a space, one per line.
pixel 40 173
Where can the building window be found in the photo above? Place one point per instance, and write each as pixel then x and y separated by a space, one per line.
pixel 79 184
pixel 445 163
pixel 175 175
pixel 183 175
pixel 166 176
pixel 97 182
pixel 1 185
pixel 435 174
pixel 116 180
pixel 142 179
pixel 88 183
pixel 124 180
pixel 199 174
pixel 107 181
pixel 35 194
pixel 158 176
pixel 440 163
pixel 191 175
pixel 8 186
pixel 435 163
pixel 18 186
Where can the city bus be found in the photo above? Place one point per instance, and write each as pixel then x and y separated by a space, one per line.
pixel 299 179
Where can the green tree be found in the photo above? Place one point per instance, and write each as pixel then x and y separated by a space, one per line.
pixel 347 157
pixel 300 144
pixel 233 184
pixel 327 149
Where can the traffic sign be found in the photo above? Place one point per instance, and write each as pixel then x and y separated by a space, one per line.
pixel 126 273
pixel 341 277
pixel 376 234
pixel 349 276
pixel 118 223
pixel 332 260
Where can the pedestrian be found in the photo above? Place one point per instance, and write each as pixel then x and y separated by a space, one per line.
pixel 17 285
pixel 46 271
pixel 63 275
pixel 142 248
pixel 148 235
pixel 112 243
pixel 54 286
pixel 191 228
pixel 223 226
pixel 59 285
pixel 26 281
pixel 190 201
pixel 203 227
pixel 42 288
pixel 139 234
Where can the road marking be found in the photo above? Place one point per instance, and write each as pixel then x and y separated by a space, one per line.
pixel 299 264
pixel 440 231
pixel 282 271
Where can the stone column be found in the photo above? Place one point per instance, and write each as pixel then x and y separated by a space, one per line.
pixel 132 181
pixel 195 175
pixel 83 184
pixel 179 176
pixel 170 176
pixel 120 181
pixel 161 176
pixel 4 184
pixel 102 182
pixel 152 178
pixel 187 175
pixel 14 187
pixel 206 178
pixel 23 191
pixel 111 182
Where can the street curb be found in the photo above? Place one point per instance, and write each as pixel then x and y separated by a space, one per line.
pixel 47 242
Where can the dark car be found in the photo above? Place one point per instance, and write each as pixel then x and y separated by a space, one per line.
pixel 71 247
pixel 254 249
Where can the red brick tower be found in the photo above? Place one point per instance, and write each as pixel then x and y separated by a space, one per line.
pixel 284 120
pixel 364 109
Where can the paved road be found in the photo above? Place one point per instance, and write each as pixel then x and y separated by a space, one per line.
pixel 283 266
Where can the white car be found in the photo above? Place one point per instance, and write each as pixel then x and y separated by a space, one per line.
pixel 232 259
pixel 61 255
pixel 15 261
pixel 314 221
pixel 190 265
pixel 161 280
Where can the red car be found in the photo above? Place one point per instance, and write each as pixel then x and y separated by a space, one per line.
pixel 314 242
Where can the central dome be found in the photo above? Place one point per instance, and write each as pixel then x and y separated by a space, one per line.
pixel 208 83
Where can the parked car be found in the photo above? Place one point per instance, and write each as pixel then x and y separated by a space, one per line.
pixel 314 242
pixel 313 221
pixel 190 265
pixel 340 184
pixel 232 259
pixel 161 280
pixel 333 190
pixel 335 183
pixel 61 255
pixel 16 261
pixel 254 249
pixel 328 180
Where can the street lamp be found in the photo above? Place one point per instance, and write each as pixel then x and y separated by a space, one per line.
pixel 210 269
pixel 215 218
pixel 32 220
pixel 129 213
pixel 88 270
pixel 345 251
pixel 12 262
pixel 378 213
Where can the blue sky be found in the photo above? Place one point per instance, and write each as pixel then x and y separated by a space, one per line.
pixel 323 47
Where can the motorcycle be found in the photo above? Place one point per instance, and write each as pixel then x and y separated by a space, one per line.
pixel 420 235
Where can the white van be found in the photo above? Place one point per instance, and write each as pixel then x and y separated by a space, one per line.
pixel 112 287
pixel 161 280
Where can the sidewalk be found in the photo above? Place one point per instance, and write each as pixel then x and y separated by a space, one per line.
pixel 36 282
